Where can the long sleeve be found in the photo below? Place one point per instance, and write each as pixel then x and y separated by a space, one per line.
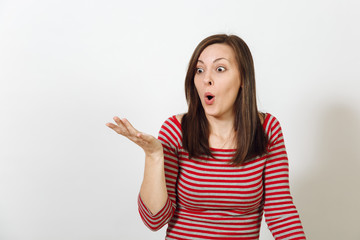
pixel 281 215
pixel 169 137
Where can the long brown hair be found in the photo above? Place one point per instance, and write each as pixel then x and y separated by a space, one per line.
pixel 250 136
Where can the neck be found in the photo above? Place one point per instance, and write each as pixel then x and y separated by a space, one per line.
pixel 222 132
pixel 221 127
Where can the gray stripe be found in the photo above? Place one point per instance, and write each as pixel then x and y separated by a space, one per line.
pixel 216 185
pixel 277 195
pixel 236 181
pixel 277 154
pixel 216 232
pixel 275 174
pixel 289 208
pixel 210 224
pixel 225 177
pixel 211 171
pixel 237 222
pixel 284 186
pixel 236 197
pixel 287 232
pixel 223 166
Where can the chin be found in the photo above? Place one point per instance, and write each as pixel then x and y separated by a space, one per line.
pixel 212 113
pixel 218 114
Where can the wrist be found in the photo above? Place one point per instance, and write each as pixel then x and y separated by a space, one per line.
pixel 156 157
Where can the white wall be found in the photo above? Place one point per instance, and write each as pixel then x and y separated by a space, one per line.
pixel 67 67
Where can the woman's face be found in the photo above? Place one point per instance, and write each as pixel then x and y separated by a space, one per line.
pixel 217 80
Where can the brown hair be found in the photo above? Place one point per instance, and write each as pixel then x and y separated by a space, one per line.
pixel 250 136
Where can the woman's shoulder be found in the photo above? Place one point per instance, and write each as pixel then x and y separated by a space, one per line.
pixel 174 123
pixel 175 119
pixel 170 131
pixel 272 127
pixel 268 119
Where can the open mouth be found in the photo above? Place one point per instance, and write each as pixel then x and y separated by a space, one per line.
pixel 210 97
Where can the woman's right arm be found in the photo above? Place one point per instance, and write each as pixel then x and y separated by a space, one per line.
pixel 154 202
pixel 153 190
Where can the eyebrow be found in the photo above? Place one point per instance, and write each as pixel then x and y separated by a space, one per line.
pixel 218 59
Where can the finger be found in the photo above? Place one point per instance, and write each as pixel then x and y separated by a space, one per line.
pixel 111 125
pixel 125 128
pixel 121 125
pixel 116 128
pixel 117 120
pixel 129 127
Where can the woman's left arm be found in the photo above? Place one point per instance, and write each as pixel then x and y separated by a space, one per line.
pixel 281 215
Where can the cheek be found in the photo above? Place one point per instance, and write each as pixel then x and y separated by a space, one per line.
pixel 232 87
pixel 231 93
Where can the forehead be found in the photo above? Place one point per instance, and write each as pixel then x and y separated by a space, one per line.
pixel 217 50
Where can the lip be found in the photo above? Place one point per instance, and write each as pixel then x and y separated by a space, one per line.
pixel 209 101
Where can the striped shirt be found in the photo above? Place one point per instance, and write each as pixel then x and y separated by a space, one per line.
pixel 210 199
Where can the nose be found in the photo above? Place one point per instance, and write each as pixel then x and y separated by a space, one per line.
pixel 208 80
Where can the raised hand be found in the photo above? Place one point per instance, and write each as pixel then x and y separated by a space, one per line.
pixel 148 143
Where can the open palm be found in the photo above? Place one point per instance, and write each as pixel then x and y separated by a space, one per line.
pixel 148 143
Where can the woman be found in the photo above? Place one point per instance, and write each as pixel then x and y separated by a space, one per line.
pixel 213 171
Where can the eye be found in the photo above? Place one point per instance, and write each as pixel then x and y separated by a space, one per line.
pixel 220 69
pixel 199 70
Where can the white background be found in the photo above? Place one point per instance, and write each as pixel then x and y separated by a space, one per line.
pixel 67 67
